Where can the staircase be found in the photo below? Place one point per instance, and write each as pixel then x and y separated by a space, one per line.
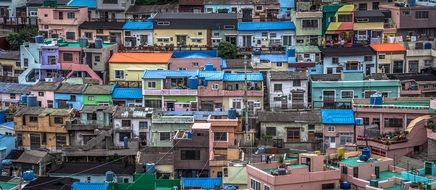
pixel 73 67
pixel 97 140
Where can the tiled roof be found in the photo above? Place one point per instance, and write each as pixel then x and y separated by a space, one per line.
pixel 71 88
pixel 127 93
pixel 162 74
pixel 138 25
pixel 14 88
pixel 99 89
pixel 90 186
pixel 91 4
pixel 140 58
pixel 31 157
pixel 10 55
pixel 284 75
pixel 91 168
pixel 347 51
pixel 237 64
pixel 102 25
pixel 308 117
pixel 337 117
pixel 395 47
pixel 14 154
pixel 204 183
pixel 45 86
pixel 262 26
pixel 239 77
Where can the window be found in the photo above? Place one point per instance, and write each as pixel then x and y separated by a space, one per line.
pixel 421 14
pixel 393 122
pixel 164 136
pixel 200 33
pixel 68 56
pixel 345 18
pixel 196 40
pixel 33 119
pixel 279 64
pixel 61 140
pixel 119 74
pixel 153 103
pixel 271 131
pixel 229 27
pixel 127 33
pixel 151 84
pixel 264 34
pixel 310 23
pixel 163 23
pixel 91 98
pixel 345 138
pixel 58 120
pixel 277 87
pixel 272 35
pixel 254 185
pixel 71 15
pixel 215 87
pixel 99 31
pixel 277 99
pixel 398 67
pixel 331 128
pixel 385 94
pixel 369 93
pixel 367 58
pixel 327 186
pixel 25 62
pixel 40 93
pixel 287 40
pixel 293 135
pixel 190 154
pixel 220 136
pixel 375 5
pixel 12 96
pixel 97 58
pixel 237 103
pixel 363 6
pixel 88 35
pixel 296 82
pixel 143 125
pixel 71 35
pixel 182 69
pixel 73 98
pixel 60 15
pixel 347 94
pixel 356 172
pixel 335 60
pixel 259 8
pixel 381 56
pixel 122 135
pixel 195 64
pixel 266 187
pixel 126 123
pixel 35 141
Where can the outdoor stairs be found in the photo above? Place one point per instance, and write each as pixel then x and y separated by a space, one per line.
pixel 97 140
pixel 73 67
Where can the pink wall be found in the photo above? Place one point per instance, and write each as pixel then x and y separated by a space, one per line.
pixel 76 55
pixel 50 17
pixel 338 129
pixel 48 95
pixel 177 63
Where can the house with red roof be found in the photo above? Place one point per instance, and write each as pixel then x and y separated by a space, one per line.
pixel 390 57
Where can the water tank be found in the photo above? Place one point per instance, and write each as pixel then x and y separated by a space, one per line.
pixel 232 113
pixel 345 185
pixel 24 99
pixel 109 176
pixel 411 3
pixel 192 83
pixel 3 116
pixel 6 162
pixel 366 154
pixel 359 121
pixel 290 52
pixel 373 183
pixel 341 152
pixel 189 135
pixel 83 42
pixel 209 67
pixel 32 101
pixel 376 99
pixel 427 45
pixel 257 51
pixel 39 39
pixel 98 43
pixel 205 82
pixel 126 142
pixel 150 168
pixel 28 175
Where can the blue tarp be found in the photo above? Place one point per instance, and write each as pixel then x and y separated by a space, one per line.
pixel 337 117
pixel 90 186
pixel 204 183
pixel 138 25
pixel 127 93
pixel 263 26
pixel 91 4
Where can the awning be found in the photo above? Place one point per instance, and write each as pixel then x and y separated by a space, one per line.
pixel 368 26
pixel 338 27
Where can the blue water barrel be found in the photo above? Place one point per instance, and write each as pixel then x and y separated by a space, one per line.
pixel 376 99
pixel 150 168
pixel 3 116
pixel 39 39
pixel 24 99
pixel 209 67
pixel 28 175
pixel 345 185
pixel 232 114
pixel 6 162
pixel 98 43
pixel 109 176
pixel 192 83
pixel 83 42
pixel 427 45
pixel 366 154
pixel 290 52
pixel 32 101
pixel 189 135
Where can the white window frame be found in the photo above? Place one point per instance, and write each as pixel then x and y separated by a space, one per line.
pixel 215 87
pixel 122 76
pixel 322 95
pixel 352 96
pixel 255 182
pixel 151 82
pixel 331 128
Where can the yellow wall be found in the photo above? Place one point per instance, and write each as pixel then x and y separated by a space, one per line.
pixel 5 62
pixel 105 33
pixel 389 59
pixel 227 103
pixel 133 72
pixel 159 33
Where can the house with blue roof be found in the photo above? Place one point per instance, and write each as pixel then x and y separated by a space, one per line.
pixel 7 144
pixel 127 96
pixel 266 34
pixel 138 33
pixel 338 129
pixel 202 183
pixel 273 61
pixel 196 60
pixel 7 128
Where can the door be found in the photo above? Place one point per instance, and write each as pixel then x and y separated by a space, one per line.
pixel 143 138
pixel 368 68
pixel 293 135
pixel 207 106
pixel 332 142
pixel 143 40
pixel 246 41
pixel 181 40
pixel 328 98
pixel 35 141
pixel 284 102
pixel 170 106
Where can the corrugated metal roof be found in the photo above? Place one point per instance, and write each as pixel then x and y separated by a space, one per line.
pixel 195 54
pixel 14 88
pixel 91 4
pixel 162 74
pixel 262 26
pixel 337 116
pixel 138 25
pixel 239 77
pixel 127 93
pixel 274 57
pixel 204 183
pixel 9 125
pixel 211 75
pixel 90 186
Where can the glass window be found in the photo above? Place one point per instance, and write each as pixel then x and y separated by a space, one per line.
pixel 393 122
pixel 164 136
pixel 151 84
pixel 279 64
pixel 421 14
pixel 68 56
pixel 254 185
pixel 126 123
pixel 296 82
pixel 345 138
pixel 237 103
pixel 143 125
pixel 119 74
pixel 91 98
pixel 33 119
pixel 271 131
pixel 309 23
pixel 331 128
pixel 347 94
pixel 277 87
pixel 367 58
pixel 61 140
pixel 345 18
pixel 190 154
pixel 58 120
pixel 220 136
pixel 71 36
pixel 398 67
pixel 71 15
pixel 122 135
pixel 381 56
pixel 40 93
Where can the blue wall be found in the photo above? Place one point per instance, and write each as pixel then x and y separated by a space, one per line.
pixel 76 104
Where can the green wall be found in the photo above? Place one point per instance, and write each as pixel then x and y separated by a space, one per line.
pixel 145 182
pixel 97 99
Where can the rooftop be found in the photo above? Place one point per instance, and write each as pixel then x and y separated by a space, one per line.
pixel 58 183
pixel 90 186
pixel 93 109
pixel 307 49
pixel 102 25
pixel 203 183
pixel 40 2
pixel 264 26
pixel 91 4
pixel 195 54
pixel 71 88
pixel 273 57
pixel 413 76
pixel 135 9
pixel 325 77
pixel 132 113
pixel 8 186
pixel 31 157
pixel 76 45
pixel 9 125
pixel 228 2
pixel 237 64
pixel 303 117
pixel 140 58
pixel 99 89
pixel 127 93
pixel 45 86
pixel 42 111
pixel 284 75
pixel 355 161
pixel 163 74
pixel 138 25
pixel 398 103
pixel 347 51
pixel 337 116
pixel 395 48
pixel 195 16
pixel 14 88
pixel 87 168
pixel 368 13
pixel 10 55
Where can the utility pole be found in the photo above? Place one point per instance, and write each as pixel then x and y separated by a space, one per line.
pixel 247 127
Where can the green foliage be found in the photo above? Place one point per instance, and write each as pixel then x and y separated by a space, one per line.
pixel 17 39
pixel 154 2
pixel 227 50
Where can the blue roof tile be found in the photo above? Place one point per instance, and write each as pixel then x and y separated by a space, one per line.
pixel 91 4
pixel 204 183
pixel 138 25
pixel 337 116
pixel 90 186
pixel 211 75
pixel 127 93
pixel 239 77
pixel 262 26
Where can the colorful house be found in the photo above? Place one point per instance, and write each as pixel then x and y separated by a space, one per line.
pixel 164 128
pixel 98 95
pixel 10 66
pixel 90 186
pixel 288 90
pixel 368 27
pixel 272 62
pixel 138 33
pixel 308 28
pixel 132 122
pixel 126 69
pixel 244 9
pixel 44 92
pixel 337 24
pixel 11 93
pixel 390 58
pixel 69 96
pixel 196 60
pixel 129 97
pixel 109 32
pixel 338 130
pixel 266 34
pixel 7 145
pixel 61 22
pixel 354 58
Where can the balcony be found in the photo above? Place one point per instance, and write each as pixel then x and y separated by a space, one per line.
pixel 419 52
pixel 78 125
pixel 171 92
pixel 332 104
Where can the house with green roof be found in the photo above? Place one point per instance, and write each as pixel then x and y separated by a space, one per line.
pixel 98 95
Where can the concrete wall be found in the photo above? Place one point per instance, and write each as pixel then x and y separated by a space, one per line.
pixel 287 87
pixel 171 35
pixel 133 72
pixel 50 17
pixel 48 96
pixel 264 41
pixel 137 33
pixel 343 60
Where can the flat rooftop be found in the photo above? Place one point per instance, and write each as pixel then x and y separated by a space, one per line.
pixel 354 161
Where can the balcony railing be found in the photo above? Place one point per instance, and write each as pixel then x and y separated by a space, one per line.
pixel 86 125
pixel 369 106
pixel 189 92
pixel 332 104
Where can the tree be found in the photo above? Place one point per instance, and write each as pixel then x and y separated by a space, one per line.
pixel 227 50
pixel 17 39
